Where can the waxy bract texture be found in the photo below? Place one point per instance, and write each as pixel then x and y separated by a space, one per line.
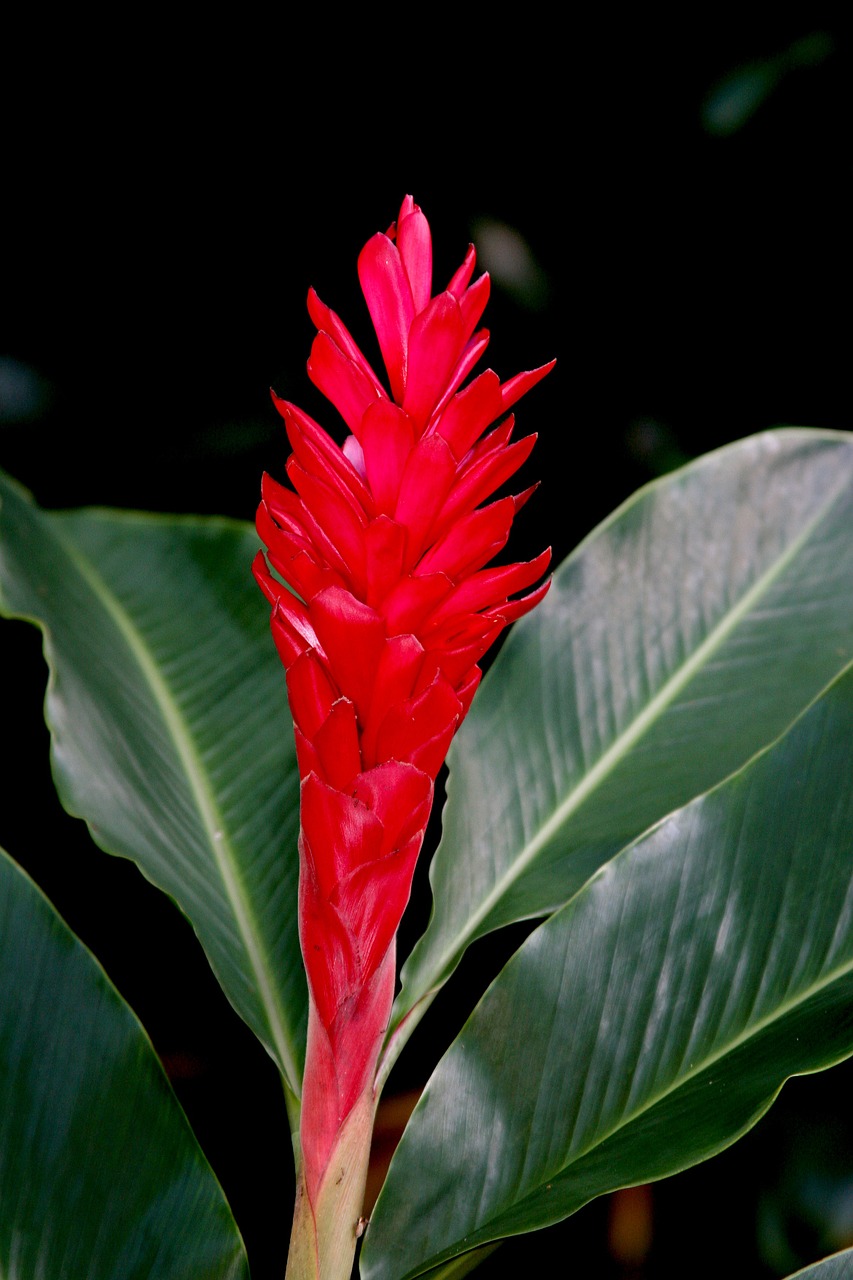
pixel 384 543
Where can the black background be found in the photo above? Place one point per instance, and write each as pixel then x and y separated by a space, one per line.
pixel 172 189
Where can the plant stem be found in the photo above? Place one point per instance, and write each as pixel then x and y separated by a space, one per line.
pixel 294 1111
pixel 324 1236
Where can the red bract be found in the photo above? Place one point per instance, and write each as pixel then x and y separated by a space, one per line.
pixel 384 543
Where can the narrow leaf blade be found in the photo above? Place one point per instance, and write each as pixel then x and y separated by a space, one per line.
pixel 681 637
pixel 100 1174
pixel 170 733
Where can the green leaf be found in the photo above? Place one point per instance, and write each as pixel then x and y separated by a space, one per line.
pixel 683 635
pixel 100 1174
pixel 652 1020
pixel 838 1267
pixel 170 732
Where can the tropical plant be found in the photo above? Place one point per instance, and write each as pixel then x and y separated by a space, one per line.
pixel 656 769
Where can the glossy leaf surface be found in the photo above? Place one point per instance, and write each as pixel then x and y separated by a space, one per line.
pixel 170 733
pixel 100 1174
pixel 682 636
pixel 838 1267
pixel 649 1023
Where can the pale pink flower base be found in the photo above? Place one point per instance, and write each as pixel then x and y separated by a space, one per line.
pixel 325 1232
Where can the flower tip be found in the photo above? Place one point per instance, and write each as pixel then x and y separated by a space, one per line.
pixel 265 580
pixel 407 207
pixel 281 405
pixel 314 306
pixel 539 593
pixel 519 499
pixel 268 487
pixel 540 563
pixel 461 279
pixel 515 388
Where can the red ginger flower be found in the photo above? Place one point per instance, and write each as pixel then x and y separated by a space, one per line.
pixel 384 543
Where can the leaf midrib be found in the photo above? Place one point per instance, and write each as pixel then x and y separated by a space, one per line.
pixel 730 1047
pixel 762 1024
pixel 215 829
pixel 609 760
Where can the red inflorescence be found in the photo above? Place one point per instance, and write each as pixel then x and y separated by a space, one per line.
pixel 384 543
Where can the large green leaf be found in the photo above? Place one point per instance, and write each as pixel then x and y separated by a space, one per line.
pixel 648 1023
pixel 100 1174
pixel 170 729
pixel 682 636
pixel 838 1267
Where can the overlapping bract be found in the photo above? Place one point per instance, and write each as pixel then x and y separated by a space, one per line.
pixel 385 543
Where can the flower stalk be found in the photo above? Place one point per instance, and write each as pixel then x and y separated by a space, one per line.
pixel 383 544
